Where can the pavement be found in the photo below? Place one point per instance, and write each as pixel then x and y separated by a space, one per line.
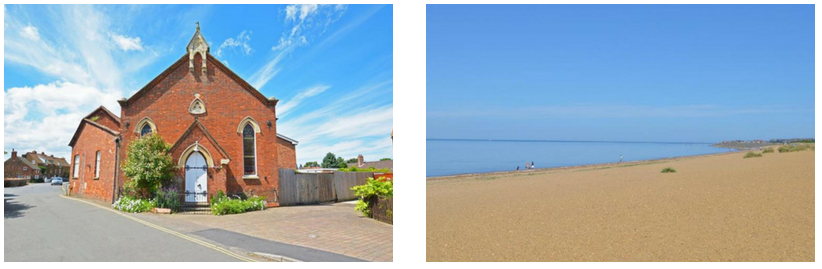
pixel 299 232
pixel 39 225
pixel 333 232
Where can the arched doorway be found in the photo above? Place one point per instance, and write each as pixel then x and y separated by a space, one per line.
pixel 196 178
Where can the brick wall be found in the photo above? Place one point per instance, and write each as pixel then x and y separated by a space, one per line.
pixel 288 154
pixel 91 140
pixel 227 103
pixel 13 168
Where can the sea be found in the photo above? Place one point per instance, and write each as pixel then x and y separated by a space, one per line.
pixel 455 156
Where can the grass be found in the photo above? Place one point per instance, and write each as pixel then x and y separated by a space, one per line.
pixel 752 154
pixel 668 170
pixel 767 150
pixel 797 147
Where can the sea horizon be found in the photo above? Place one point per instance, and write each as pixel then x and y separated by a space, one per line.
pixel 450 156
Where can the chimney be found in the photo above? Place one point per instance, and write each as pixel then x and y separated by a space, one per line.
pixel 13 154
pixel 359 161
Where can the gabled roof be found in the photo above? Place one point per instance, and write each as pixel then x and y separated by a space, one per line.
pixel 104 109
pixel 182 61
pixel 288 139
pixel 83 123
pixel 194 125
pixel 26 162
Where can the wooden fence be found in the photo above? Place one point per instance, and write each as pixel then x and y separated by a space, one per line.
pixel 382 209
pixel 306 189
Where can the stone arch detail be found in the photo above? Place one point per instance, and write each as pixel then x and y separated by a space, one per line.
pixel 197 106
pixel 144 121
pixel 190 149
pixel 248 120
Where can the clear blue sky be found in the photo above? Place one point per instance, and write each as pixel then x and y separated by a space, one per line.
pixel 330 65
pixel 690 73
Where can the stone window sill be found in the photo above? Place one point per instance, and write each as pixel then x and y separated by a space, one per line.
pixel 251 177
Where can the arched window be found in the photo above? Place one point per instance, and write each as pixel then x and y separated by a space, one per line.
pixel 145 130
pixel 249 162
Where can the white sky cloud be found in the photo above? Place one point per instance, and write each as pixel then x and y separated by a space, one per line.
pixel 241 42
pixel 127 43
pixel 31 33
pixel 304 23
pixel 283 109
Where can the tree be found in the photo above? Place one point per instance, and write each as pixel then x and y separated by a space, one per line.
pixel 311 164
pixel 330 161
pixel 148 164
pixel 352 160
pixel 385 159
pixel 341 163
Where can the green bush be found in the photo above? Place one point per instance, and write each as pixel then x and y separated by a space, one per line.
pixel 767 150
pixel 148 164
pixel 752 154
pixel 222 205
pixel 372 187
pixel 133 205
pixel 167 198
pixel 668 170
pixel 369 169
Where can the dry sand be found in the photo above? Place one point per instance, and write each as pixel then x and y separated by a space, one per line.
pixel 714 208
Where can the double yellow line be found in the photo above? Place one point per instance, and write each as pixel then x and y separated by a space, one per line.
pixel 180 235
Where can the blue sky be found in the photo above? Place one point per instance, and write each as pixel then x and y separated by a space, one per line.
pixel 698 73
pixel 330 65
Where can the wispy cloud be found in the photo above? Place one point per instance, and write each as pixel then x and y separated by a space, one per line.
pixel 610 111
pixel 304 23
pixel 86 62
pixel 127 43
pixel 283 109
pixel 346 125
pixel 241 42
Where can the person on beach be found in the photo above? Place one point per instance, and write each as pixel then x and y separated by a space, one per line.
pixel 620 157
pixel 517 167
pixel 526 166
pixel 532 164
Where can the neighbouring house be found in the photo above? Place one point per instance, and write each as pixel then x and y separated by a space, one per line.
pixel 19 167
pixel 50 166
pixel 361 163
pixel 222 132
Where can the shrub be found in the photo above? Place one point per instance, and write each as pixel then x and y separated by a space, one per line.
pixel 167 198
pixel 222 205
pixel 792 148
pixel 767 150
pixel 668 170
pixel 752 154
pixel 372 187
pixel 369 169
pixel 133 205
pixel 148 164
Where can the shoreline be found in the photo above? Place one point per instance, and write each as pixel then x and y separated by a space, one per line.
pixel 594 165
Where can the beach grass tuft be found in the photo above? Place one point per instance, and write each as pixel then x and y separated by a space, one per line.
pixel 797 147
pixel 752 154
pixel 767 150
pixel 668 170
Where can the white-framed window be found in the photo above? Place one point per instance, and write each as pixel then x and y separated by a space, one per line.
pixel 25 168
pixel 97 166
pixel 76 166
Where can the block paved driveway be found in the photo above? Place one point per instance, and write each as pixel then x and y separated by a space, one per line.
pixel 334 228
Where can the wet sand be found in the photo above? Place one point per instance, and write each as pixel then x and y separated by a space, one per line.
pixel 714 208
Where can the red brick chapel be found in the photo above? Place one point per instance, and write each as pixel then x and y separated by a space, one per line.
pixel 222 130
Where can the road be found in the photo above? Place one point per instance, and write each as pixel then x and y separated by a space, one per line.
pixel 39 225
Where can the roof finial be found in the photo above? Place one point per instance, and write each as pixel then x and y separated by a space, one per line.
pixel 198 26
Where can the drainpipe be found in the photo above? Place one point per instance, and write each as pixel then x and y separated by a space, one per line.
pixel 114 194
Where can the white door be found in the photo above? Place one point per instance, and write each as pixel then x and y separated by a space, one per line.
pixel 196 175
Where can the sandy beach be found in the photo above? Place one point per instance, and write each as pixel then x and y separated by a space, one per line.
pixel 714 208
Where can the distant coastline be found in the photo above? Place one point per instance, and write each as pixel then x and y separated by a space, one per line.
pixel 567 141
